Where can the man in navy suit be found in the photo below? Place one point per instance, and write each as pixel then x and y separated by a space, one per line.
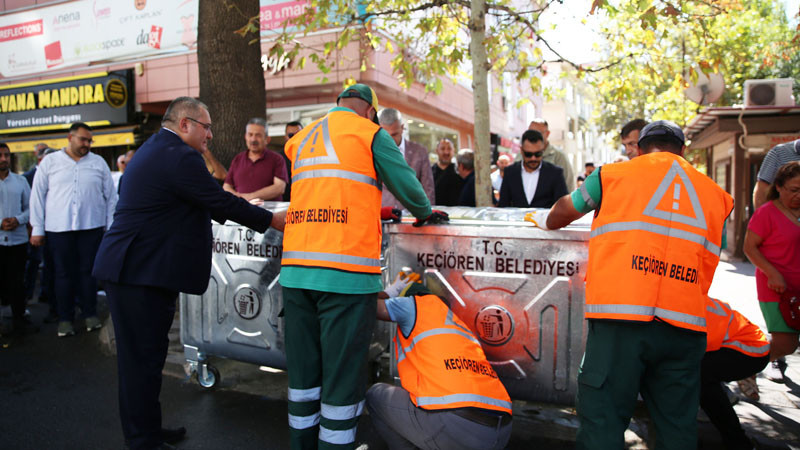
pixel 158 245
pixel 534 183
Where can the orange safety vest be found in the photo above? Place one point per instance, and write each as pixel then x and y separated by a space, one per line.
pixel 655 241
pixel 333 219
pixel 727 328
pixel 442 365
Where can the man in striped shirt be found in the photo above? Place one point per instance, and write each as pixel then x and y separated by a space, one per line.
pixel 778 156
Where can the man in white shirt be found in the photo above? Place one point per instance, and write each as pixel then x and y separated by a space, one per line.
pixel 14 194
pixel 533 183
pixel 121 162
pixel 72 204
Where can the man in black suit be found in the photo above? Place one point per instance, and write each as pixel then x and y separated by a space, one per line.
pixel 158 245
pixel 539 185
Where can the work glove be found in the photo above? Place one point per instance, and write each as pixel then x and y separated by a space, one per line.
pixel 435 217
pixel 391 213
pixel 401 282
pixel 538 218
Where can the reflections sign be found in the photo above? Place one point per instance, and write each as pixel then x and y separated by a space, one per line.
pixel 103 98
pixel 87 31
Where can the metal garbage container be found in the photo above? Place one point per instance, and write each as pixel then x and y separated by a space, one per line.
pixel 520 288
pixel 238 317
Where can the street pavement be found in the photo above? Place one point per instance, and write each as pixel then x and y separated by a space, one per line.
pixel 61 394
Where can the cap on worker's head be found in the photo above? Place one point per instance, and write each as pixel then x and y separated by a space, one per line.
pixel 662 129
pixel 414 289
pixel 363 92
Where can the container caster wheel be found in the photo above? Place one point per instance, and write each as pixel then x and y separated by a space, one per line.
pixel 211 378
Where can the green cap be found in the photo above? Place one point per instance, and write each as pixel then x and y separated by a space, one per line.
pixel 363 92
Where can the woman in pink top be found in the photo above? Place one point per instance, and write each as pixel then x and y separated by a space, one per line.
pixel 772 243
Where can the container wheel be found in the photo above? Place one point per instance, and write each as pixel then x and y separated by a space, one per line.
pixel 212 377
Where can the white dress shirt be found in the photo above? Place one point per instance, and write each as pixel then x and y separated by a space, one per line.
pixel 14 195
pixel 529 181
pixel 497 179
pixel 402 146
pixel 72 196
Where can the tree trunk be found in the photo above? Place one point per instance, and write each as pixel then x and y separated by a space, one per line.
pixel 480 90
pixel 231 77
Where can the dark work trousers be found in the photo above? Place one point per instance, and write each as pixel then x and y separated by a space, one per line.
pixel 726 364
pixel 142 317
pixel 327 344
pixel 12 284
pixel 32 270
pixel 73 258
pixel 48 279
pixel 623 359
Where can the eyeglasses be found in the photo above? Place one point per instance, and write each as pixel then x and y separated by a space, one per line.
pixel 290 135
pixel 85 140
pixel 532 154
pixel 207 126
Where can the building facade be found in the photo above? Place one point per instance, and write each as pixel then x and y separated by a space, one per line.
pixel 151 46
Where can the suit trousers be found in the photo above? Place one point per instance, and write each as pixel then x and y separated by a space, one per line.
pixel 624 358
pixel 405 427
pixel 726 364
pixel 73 258
pixel 327 342
pixel 142 317
pixel 32 269
pixel 12 273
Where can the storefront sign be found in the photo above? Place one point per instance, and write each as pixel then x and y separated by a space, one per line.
pixel 104 98
pixel 86 31
pixel 274 64
pixel 274 13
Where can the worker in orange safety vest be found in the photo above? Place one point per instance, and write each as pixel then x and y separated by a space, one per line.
pixel 654 245
pixel 736 350
pixel 451 396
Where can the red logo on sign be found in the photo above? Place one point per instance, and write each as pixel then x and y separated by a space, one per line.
pixel 154 40
pixel 21 30
pixel 52 54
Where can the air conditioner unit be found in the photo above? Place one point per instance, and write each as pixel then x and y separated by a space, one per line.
pixel 771 92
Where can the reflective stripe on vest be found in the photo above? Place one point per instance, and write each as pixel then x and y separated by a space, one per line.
pixel 332 257
pixel 303 422
pixel 764 348
pixel 434 332
pixel 334 173
pixel 338 437
pixel 658 229
pixel 648 311
pixel 305 395
pixel 346 412
pixel 455 398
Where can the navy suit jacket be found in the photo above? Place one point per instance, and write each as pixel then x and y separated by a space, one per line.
pixel 550 188
pixel 161 234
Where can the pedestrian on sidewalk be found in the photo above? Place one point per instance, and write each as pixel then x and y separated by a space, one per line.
pixel 646 320
pixel 772 243
pixel 736 350
pixel 72 204
pixel 159 245
pixel 14 197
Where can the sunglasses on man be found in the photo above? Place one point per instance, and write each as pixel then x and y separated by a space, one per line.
pixel 532 154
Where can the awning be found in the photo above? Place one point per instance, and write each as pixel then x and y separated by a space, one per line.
pixel 108 137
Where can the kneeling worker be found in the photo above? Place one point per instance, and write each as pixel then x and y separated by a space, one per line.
pixel 736 349
pixel 450 395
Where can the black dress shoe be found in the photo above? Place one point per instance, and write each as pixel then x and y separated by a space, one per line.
pixel 173 435
pixel 165 446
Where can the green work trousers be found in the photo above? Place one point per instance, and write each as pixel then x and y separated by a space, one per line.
pixel 327 342
pixel 623 359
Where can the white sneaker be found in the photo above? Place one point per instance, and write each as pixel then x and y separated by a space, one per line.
pixel 773 372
